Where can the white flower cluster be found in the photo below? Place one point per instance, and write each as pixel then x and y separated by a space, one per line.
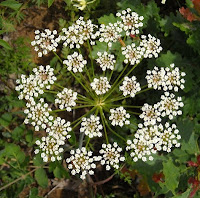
pixel 170 106
pixel 59 129
pixel 132 53
pixel 111 155
pixel 169 138
pixel 78 33
pixel 50 149
pixel 38 114
pixel 28 87
pixel 106 61
pixel 150 139
pixel 119 117
pixel 81 161
pixel 91 126
pixel 45 41
pixel 151 45
pixel 130 86
pixel 110 33
pixel 66 99
pixel 131 21
pixel 150 114
pixel 101 85
pixel 34 85
pixel 168 78
pixel 140 149
pixel 75 62
pixel 45 76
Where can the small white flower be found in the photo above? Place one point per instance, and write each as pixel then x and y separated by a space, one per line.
pixel 75 62
pixel 49 149
pixel 130 86
pixel 59 129
pixel 106 61
pixel 169 106
pixel 131 21
pixel 66 99
pixel 91 126
pixel 140 149
pixel 155 78
pixel 119 117
pixel 38 114
pixel 151 114
pixel 132 53
pixel 78 33
pixel 173 78
pixel 81 161
pixel 110 155
pixel 45 42
pixel 45 76
pixel 28 87
pixel 110 33
pixel 151 45
pixel 100 86
pixel 168 78
pixel 169 138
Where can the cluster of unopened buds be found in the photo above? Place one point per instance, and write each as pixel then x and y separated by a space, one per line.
pixel 103 109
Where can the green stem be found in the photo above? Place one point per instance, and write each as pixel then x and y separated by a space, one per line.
pixel 49 91
pixel 115 83
pixel 144 90
pixel 91 57
pixel 83 115
pixel 104 126
pixel 79 81
pixel 84 98
pixel 76 107
pixel 135 113
pixel 88 87
pixel 82 102
pixel 58 57
pixel 119 98
pixel 18 179
pixel 144 86
pixel 128 106
pixel 59 86
pixel 88 141
pixel 88 74
pixel 115 132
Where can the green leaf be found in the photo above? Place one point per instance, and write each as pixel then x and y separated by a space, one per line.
pixel 37 160
pixel 183 195
pixel 172 175
pixel 181 155
pixel 11 4
pixel 57 172
pixel 106 19
pixel 50 2
pixel 99 47
pixel 18 132
pixel 166 59
pixel 5 119
pixel 41 177
pixel 191 146
pixel 5 44
pixel 13 150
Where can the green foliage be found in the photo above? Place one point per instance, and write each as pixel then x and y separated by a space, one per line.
pixel 50 2
pixel 41 177
pixel 172 175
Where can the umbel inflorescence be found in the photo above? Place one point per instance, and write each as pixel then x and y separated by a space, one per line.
pixel 101 96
